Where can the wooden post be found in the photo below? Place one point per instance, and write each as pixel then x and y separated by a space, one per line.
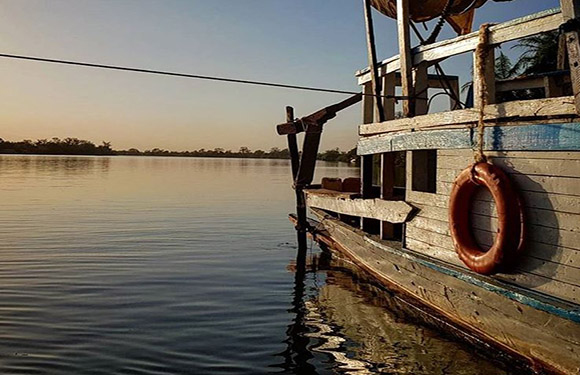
pixel 292 145
pixel 405 56
pixel 366 167
pixel 454 87
pixel 571 10
pixel 389 84
pixel 420 88
pixel 553 87
pixel 298 188
pixel 372 55
pixel 388 159
pixel 387 189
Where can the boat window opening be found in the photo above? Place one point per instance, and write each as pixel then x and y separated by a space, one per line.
pixel 424 171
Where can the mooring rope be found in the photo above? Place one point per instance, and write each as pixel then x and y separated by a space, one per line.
pixel 481 55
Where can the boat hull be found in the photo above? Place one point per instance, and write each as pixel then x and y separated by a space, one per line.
pixel 541 332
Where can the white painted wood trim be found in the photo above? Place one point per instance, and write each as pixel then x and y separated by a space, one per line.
pixel 391 211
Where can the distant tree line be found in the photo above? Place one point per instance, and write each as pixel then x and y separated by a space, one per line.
pixel 74 146
pixel 56 146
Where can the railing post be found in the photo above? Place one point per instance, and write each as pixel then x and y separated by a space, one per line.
pixel 366 167
pixel 420 89
pixel 405 57
pixel 372 55
pixel 570 11
pixel 388 158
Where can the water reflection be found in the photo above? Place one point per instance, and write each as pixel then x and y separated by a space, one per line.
pixel 54 165
pixel 363 330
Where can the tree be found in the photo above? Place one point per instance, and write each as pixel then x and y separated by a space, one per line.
pixel 503 67
pixel 330 155
pixel 540 55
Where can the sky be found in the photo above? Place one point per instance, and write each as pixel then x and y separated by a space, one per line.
pixel 304 42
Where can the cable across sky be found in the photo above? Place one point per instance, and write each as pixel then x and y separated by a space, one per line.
pixel 187 75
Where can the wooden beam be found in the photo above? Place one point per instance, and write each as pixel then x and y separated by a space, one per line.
pixel 537 108
pixel 372 55
pixel 547 137
pixel 319 117
pixel 504 32
pixel 403 20
pixel 519 84
pixel 309 155
pixel 391 211
pixel 571 11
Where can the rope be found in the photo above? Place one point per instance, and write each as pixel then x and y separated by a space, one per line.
pixel 194 76
pixel 440 23
pixel 481 54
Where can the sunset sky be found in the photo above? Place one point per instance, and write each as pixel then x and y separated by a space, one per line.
pixel 304 42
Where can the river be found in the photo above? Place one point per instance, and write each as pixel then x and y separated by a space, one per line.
pixel 151 265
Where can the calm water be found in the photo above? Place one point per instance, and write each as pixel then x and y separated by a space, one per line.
pixel 172 266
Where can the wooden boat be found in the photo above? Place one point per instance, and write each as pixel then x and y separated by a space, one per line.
pixel 417 229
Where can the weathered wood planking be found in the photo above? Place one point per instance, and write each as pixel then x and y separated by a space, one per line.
pixel 545 167
pixel 536 233
pixel 391 211
pixel 523 322
pixel 536 108
pixel 537 249
pixel 521 277
pixel 570 311
pixel 544 137
pixel 560 155
pixel 484 209
pixel 551 267
pixel 552 257
pixel 531 280
pixel 504 32
pixel 542 201
pixel 535 183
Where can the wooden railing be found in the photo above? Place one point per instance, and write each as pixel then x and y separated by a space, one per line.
pixel 548 20
pixel 554 107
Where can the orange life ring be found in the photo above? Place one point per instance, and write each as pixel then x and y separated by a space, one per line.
pixel 511 228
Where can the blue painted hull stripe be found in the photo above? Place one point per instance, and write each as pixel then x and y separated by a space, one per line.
pixel 572 314
pixel 543 137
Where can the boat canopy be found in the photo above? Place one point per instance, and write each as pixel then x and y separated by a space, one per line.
pixel 459 13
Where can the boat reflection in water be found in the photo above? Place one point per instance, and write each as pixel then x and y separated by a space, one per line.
pixel 348 326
